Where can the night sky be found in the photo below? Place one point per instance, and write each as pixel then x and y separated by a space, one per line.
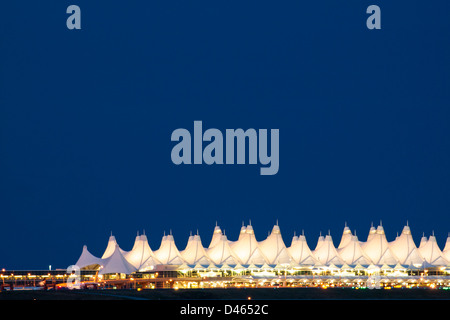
pixel 86 118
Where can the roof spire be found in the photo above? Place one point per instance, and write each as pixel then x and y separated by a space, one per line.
pixel 407 224
pixel 250 222
pixel 277 222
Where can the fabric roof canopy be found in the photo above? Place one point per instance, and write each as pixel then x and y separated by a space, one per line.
pixel 432 254
pixel 194 252
pixel 110 247
pixel 247 251
pixel 117 263
pixel 246 248
pixel 168 252
pixel 346 237
pixel 326 253
pixel 405 249
pixel 446 250
pixel 274 248
pixel 140 252
pixel 217 235
pixel 300 252
pixel 377 249
pixel 88 260
pixel 221 253
pixel 352 253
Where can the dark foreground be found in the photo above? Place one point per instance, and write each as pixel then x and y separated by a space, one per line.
pixel 231 294
pixel 232 303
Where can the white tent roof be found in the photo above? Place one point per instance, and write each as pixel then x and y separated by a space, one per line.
pixel 372 232
pixel 377 249
pixel 221 253
pixel 352 253
pixel 300 251
pixel 432 254
pixel 168 252
pixel 246 248
pixel 110 247
pixel 326 253
pixel 423 241
pixel 346 237
pixel 112 243
pixel 194 253
pixel 320 241
pixel 241 235
pixel 274 249
pixel 140 252
pixel 216 237
pixel 87 259
pixel 117 263
pixel 446 250
pixel 150 263
pixel 405 249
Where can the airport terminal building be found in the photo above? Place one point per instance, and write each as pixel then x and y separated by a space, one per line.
pixel 248 262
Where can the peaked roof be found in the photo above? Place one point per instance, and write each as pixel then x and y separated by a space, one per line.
pixel 352 253
pixel 216 237
pixel 274 249
pixel 346 237
pixel 423 241
pixel 300 251
pixel 246 248
pixel 221 253
pixel 140 252
pixel 405 249
pixel 194 253
pixel 326 253
pixel 372 232
pixel 88 260
pixel 110 247
pixel 117 263
pixel 432 254
pixel 168 252
pixel 320 242
pixel 446 251
pixel 377 249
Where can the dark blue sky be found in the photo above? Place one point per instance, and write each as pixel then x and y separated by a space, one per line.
pixel 86 118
